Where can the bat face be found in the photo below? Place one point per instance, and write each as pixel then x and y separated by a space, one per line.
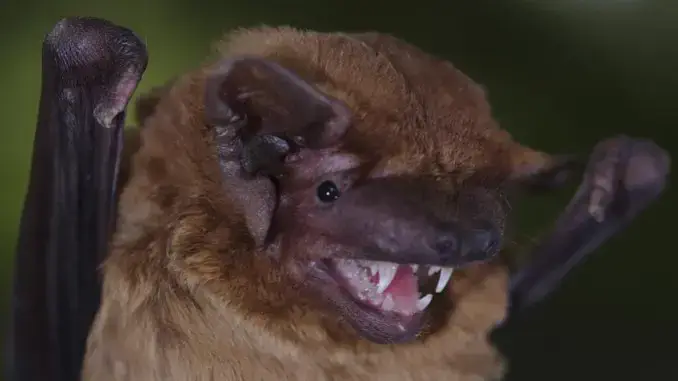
pixel 353 192
pixel 365 242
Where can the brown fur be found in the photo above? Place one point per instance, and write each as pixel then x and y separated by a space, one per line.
pixel 185 297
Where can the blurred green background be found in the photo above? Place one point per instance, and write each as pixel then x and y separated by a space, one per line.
pixel 561 74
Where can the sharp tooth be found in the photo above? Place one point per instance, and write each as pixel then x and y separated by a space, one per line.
pixel 388 303
pixel 414 268
pixel 424 302
pixel 387 272
pixel 445 275
pixel 433 269
pixel 374 267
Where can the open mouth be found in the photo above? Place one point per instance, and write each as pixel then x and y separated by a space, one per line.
pixel 389 289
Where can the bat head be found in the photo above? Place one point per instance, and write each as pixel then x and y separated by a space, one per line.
pixel 340 174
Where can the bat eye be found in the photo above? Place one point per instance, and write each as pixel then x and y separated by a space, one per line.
pixel 327 191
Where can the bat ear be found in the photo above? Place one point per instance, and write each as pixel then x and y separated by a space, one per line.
pixel 538 171
pixel 274 101
pixel 260 112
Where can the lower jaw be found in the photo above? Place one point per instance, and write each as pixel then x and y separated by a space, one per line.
pixel 390 335
pixel 370 322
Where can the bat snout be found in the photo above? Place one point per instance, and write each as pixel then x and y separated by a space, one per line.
pixel 401 221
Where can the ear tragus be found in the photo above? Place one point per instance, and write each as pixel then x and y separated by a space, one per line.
pixel 264 155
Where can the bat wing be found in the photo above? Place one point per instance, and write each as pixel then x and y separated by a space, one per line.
pixel 90 68
pixel 623 177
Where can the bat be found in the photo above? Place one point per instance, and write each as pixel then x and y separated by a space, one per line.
pixel 295 209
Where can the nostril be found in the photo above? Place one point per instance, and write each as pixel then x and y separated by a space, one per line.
pixel 495 241
pixel 447 246
pixel 484 240
pixel 458 244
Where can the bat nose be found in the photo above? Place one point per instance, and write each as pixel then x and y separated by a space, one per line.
pixel 459 245
pixel 448 244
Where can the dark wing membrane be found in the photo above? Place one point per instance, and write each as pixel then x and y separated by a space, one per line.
pixel 623 177
pixel 90 69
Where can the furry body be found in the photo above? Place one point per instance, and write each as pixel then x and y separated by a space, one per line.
pixel 186 297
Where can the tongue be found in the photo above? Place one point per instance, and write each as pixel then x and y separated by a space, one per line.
pixel 404 289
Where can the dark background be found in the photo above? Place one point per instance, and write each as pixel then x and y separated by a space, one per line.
pixel 561 75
